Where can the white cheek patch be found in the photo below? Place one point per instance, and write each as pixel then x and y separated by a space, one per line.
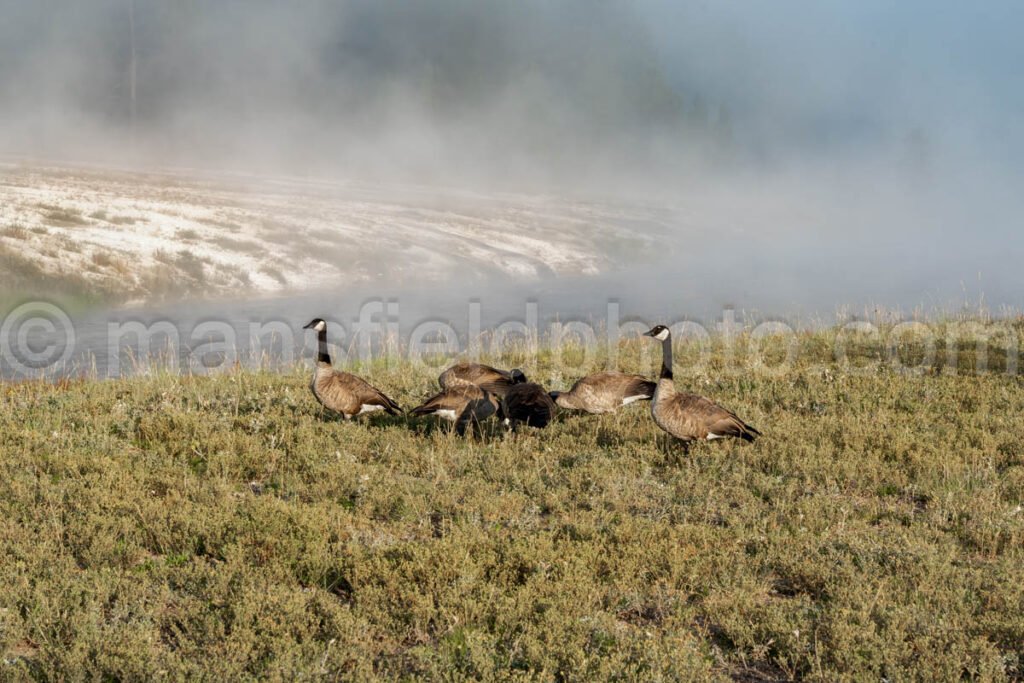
pixel 321 326
pixel 368 408
pixel 662 336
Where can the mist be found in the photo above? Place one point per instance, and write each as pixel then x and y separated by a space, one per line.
pixel 440 91
pixel 857 151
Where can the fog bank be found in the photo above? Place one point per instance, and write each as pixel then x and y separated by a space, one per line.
pixel 840 146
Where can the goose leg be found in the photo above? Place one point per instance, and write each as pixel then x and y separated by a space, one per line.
pixel 673 448
pixel 469 422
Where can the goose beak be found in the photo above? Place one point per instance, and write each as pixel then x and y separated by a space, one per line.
pixel 648 333
pixel 308 326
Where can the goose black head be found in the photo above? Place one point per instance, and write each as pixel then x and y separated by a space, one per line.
pixel 518 377
pixel 315 324
pixel 659 332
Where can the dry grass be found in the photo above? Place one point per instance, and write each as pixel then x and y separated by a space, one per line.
pixel 274 273
pixel 191 265
pixel 62 216
pixel 100 276
pixel 232 244
pixel 15 232
pixel 236 273
pixel 222 528
pixel 23 277
pixel 228 225
pixel 69 245
pixel 110 263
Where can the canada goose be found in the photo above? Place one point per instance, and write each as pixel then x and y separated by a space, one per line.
pixel 604 392
pixel 343 392
pixel 526 402
pixel 463 405
pixel 687 416
pixel 484 376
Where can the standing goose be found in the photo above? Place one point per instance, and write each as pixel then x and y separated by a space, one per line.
pixel 463 405
pixel 484 376
pixel 604 392
pixel 343 392
pixel 526 402
pixel 687 416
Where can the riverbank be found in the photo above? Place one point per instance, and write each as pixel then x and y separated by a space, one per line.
pixel 221 527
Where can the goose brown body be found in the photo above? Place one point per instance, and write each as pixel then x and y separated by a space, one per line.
pixel 484 376
pixel 348 394
pixel 527 403
pixel 464 405
pixel 687 416
pixel 343 392
pixel 605 392
pixel 692 417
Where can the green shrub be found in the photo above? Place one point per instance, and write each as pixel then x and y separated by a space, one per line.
pixel 223 528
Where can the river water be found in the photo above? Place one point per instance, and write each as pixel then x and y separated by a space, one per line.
pixel 449 318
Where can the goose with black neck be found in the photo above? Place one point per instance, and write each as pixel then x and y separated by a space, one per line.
pixel 343 392
pixel 686 416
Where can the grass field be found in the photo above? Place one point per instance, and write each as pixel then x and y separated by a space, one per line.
pixel 221 528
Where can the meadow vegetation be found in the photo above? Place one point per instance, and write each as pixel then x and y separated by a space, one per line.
pixel 223 528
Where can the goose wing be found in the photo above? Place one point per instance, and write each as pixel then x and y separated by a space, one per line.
pixel 626 386
pixel 708 420
pixel 431 405
pixel 483 376
pixel 453 398
pixel 606 392
pixel 365 394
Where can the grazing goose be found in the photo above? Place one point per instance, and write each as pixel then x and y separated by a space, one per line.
pixel 526 402
pixel 484 376
pixel 343 392
pixel 463 405
pixel 687 416
pixel 604 392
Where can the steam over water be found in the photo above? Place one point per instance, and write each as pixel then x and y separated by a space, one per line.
pixel 791 160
